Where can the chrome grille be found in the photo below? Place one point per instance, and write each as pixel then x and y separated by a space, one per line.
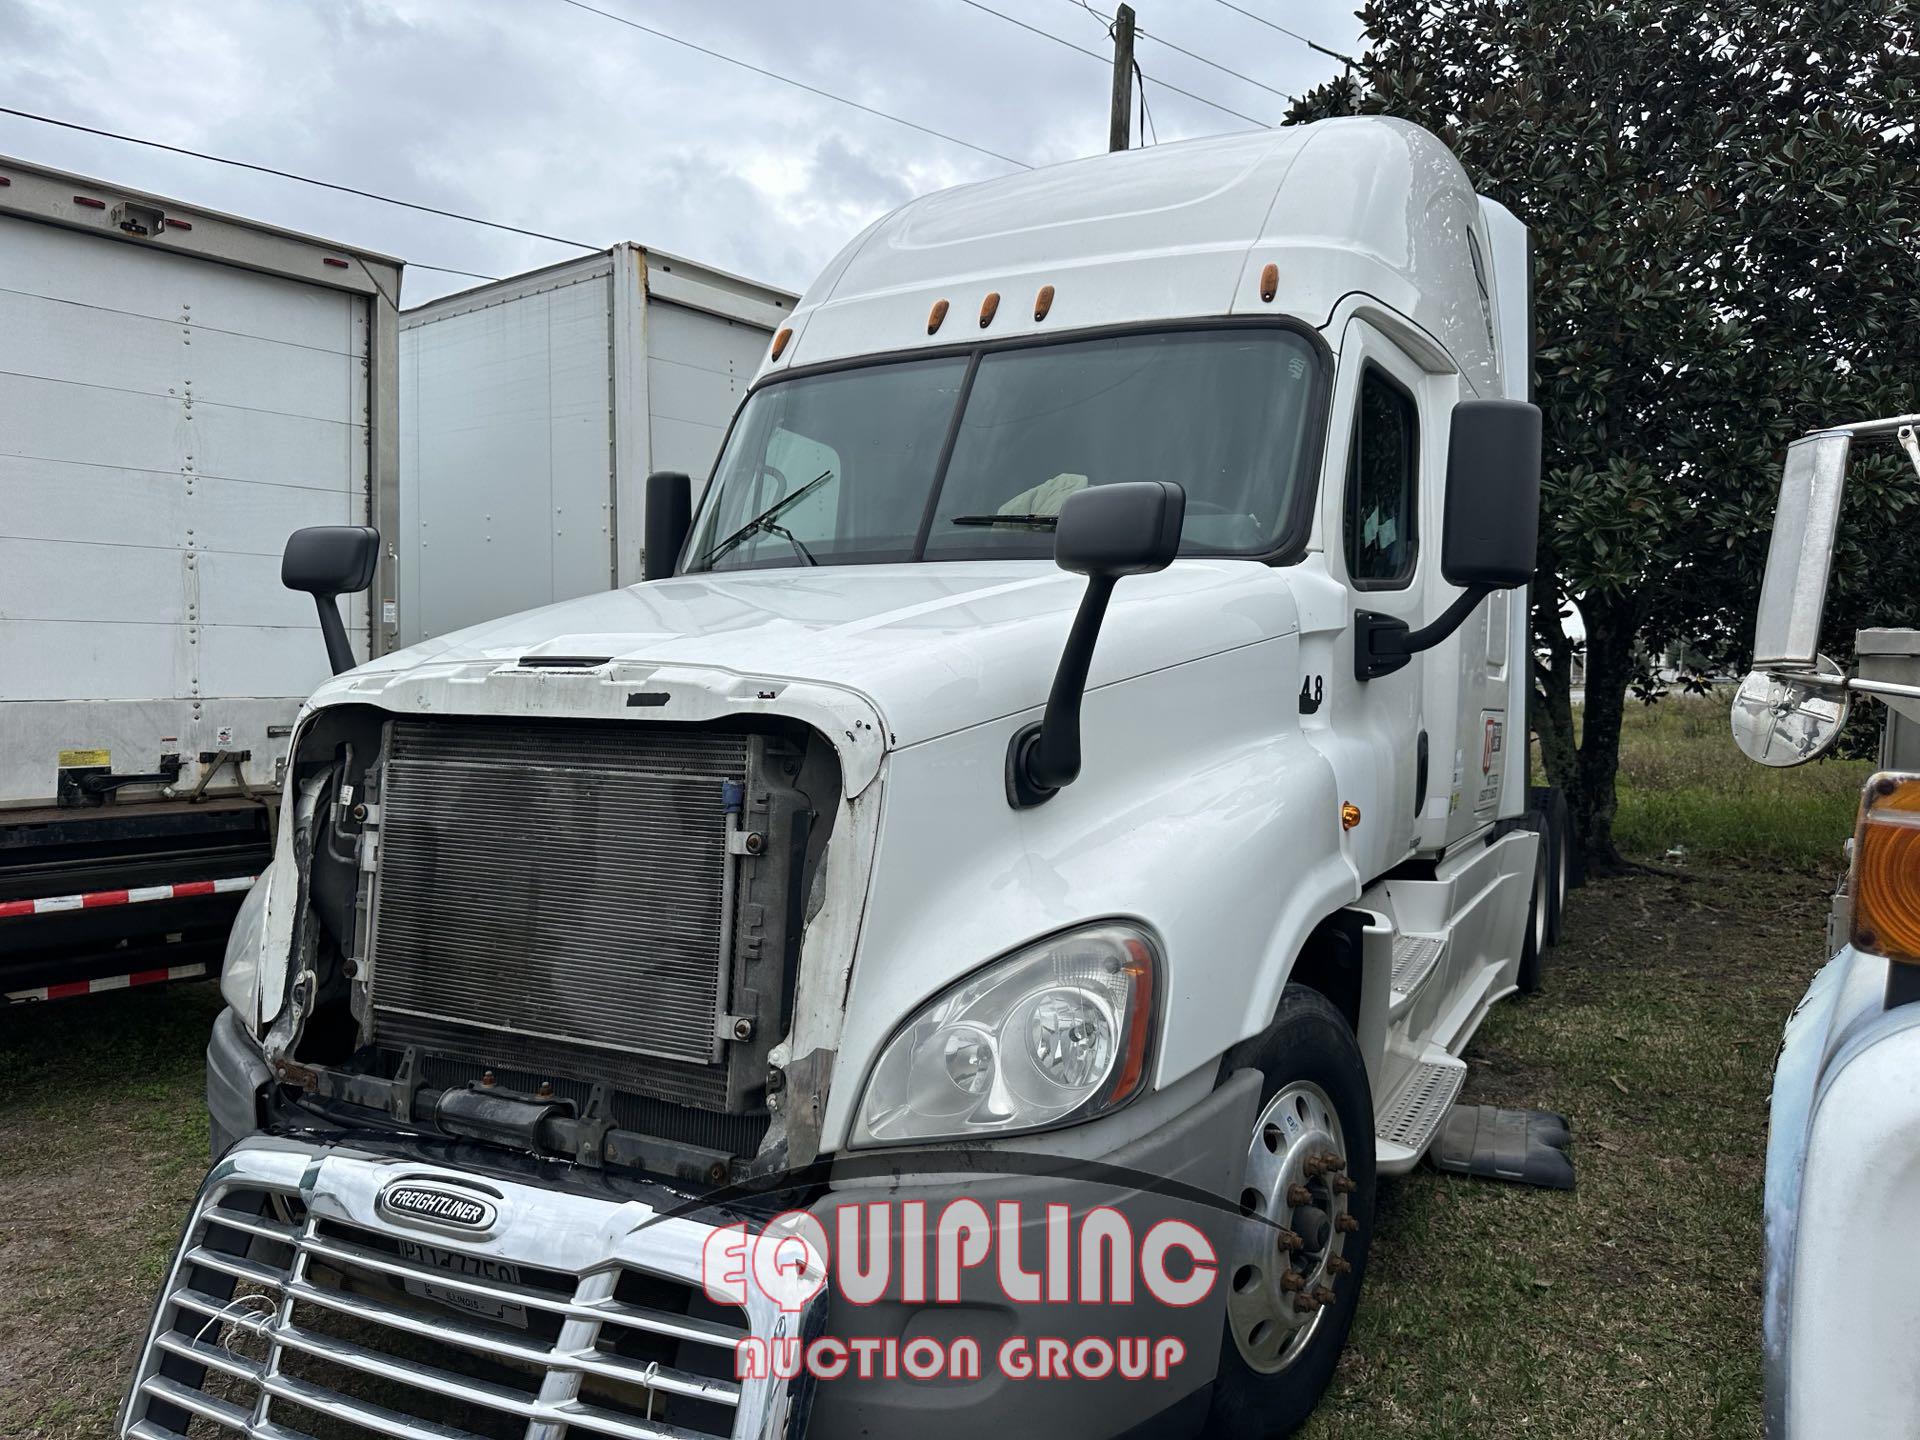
pixel 557 883
pixel 285 1322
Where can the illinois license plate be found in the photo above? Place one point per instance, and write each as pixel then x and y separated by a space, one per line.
pixel 472 1267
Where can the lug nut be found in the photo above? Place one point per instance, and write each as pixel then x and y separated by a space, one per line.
pixel 1331 1162
pixel 1305 1304
pixel 1337 1265
pixel 1299 1195
pixel 1291 1281
pixel 1343 1185
pixel 1290 1241
pixel 1345 1224
pixel 1323 1294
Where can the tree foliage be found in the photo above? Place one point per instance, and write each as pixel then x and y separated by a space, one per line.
pixel 1725 212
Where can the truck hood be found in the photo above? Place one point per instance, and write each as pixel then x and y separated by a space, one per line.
pixel 930 648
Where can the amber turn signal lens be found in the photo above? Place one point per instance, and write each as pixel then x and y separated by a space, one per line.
pixel 780 341
pixel 1349 814
pixel 1886 869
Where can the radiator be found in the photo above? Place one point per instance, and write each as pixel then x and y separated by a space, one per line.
pixel 556 883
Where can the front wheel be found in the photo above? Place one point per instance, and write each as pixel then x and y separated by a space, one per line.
pixel 1297 1260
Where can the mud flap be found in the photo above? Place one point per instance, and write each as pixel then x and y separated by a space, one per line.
pixel 1528 1147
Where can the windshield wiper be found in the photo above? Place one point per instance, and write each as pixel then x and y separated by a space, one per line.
pixel 1032 522
pixel 763 523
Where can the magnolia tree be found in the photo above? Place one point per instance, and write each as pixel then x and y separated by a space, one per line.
pixel 1723 203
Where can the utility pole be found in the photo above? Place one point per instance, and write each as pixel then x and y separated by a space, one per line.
pixel 1120 128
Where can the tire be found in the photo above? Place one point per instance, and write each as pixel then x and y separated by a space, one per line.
pixel 1552 803
pixel 1313 1071
pixel 1534 940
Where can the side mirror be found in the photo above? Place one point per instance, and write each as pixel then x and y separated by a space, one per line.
pixel 1786 632
pixel 1784 722
pixel 1102 533
pixel 1493 494
pixel 669 517
pixel 1491 528
pixel 328 561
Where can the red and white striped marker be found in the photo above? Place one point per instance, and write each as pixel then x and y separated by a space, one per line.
pixel 67 989
pixel 100 899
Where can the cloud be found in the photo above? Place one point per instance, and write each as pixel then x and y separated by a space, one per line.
pixel 538 114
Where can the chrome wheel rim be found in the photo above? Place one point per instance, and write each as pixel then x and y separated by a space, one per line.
pixel 1287 1265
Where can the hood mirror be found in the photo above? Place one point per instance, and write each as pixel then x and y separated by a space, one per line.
pixel 1789 722
pixel 328 561
pixel 1103 533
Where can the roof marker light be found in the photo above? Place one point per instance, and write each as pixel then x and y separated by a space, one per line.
pixel 334 261
pixel 1269 281
pixel 937 316
pixel 89 202
pixel 4 180
pixel 173 224
pixel 989 307
pixel 1043 302
pixel 780 341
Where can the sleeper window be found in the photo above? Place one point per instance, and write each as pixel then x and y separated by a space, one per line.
pixel 1383 477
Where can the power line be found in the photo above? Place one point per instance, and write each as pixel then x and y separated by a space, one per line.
pixel 1224 70
pixel 1095 55
pixel 1311 44
pixel 303 179
pixel 796 84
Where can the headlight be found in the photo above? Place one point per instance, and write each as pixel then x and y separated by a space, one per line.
pixel 1059 1032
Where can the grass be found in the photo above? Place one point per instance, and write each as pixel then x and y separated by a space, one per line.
pixel 1684 784
pixel 1629 1307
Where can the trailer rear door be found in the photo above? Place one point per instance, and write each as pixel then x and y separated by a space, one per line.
pixel 169 420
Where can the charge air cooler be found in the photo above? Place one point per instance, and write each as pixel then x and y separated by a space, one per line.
pixel 559 898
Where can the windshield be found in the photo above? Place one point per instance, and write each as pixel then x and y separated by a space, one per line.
pixel 855 466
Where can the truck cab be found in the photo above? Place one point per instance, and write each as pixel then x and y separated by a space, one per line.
pixel 1064 778
pixel 1842 1162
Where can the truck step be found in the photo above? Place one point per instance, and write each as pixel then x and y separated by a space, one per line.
pixel 1405 1124
pixel 1415 957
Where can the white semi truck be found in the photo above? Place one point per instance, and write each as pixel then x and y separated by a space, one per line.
pixel 1056 809
pixel 1842 1271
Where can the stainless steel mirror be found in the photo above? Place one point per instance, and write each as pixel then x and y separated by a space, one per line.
pixel 1794 593
pixel 1781 722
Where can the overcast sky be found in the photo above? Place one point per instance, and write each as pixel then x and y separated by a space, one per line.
pixel 539 114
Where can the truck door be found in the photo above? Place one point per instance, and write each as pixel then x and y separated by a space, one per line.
pixel 1375 529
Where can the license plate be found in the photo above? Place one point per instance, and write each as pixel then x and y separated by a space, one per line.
pixel 473 1267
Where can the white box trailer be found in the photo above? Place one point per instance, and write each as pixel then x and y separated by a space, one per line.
pixel 180 390
pixel 538 405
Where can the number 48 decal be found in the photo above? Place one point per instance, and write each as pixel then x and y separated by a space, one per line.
pixel 1313 690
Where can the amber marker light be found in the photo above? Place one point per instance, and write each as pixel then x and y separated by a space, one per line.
pixel 780 340
pixel 1886 869
pixel 1043 302
pixel 989 307
pixel 1131 1072
pixel 937 316
pixel 1349 815
pixel 1269 281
